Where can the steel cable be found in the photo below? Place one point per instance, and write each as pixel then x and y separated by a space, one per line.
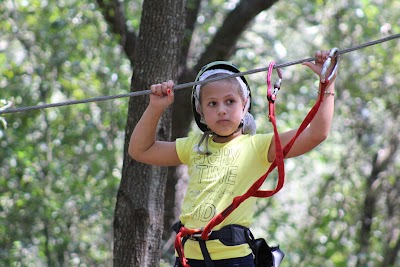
pixel 190 84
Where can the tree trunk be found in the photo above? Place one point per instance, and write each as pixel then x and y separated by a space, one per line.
pixel 138 220
pixel 382 159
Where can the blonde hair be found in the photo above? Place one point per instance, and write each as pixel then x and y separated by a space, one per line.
pixel 232 80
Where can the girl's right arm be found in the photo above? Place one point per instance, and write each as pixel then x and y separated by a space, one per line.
pixel 143 145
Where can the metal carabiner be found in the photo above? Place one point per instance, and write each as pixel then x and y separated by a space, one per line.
pixel 271 95
pixel 7 104
pixel 327 64
pixel 277 84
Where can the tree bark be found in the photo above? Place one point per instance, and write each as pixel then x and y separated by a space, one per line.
pixel 180 118
pixel 138 219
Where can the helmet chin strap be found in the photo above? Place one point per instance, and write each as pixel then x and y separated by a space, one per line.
pixel 206 136
pixel 239 128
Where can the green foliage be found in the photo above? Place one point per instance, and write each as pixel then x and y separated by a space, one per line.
pixel 317 216
pixel 60 167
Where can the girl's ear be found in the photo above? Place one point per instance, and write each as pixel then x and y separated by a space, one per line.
pixel 245 103
pixel 199 110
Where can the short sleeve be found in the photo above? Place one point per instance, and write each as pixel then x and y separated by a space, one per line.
pixel 184 148
pixel 262 142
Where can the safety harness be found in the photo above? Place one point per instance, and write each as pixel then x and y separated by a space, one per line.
pixel 202 235
pixel 229 235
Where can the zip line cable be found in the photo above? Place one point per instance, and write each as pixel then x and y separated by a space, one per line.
pixel 6 110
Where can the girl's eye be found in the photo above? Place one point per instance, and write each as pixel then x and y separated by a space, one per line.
pixel 212 104
pixel 230 101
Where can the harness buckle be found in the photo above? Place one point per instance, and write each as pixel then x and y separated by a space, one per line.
pixel 327 64
pixel 197 235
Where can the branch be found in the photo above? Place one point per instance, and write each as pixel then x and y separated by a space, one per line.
pixel 385 156
pixel 114 14
pixel 380 163
pixel 224 41
pixel 192 11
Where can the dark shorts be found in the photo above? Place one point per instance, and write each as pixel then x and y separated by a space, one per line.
pixel 247 261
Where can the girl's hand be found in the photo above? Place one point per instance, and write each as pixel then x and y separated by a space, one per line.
pixel 162 95
pixel 320 58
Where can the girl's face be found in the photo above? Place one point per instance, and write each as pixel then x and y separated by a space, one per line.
pixel 222 109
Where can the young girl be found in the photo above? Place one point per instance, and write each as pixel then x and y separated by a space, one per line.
pixel 226 159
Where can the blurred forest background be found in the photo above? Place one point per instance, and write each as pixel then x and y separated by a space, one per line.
pixel 60 168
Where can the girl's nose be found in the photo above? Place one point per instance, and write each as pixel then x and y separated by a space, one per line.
pixel 221 110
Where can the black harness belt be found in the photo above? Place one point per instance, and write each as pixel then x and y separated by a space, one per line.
pixel 229 235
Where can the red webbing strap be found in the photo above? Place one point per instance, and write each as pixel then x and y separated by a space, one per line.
pixel 253 190
pixel 279 156
pixel 183 232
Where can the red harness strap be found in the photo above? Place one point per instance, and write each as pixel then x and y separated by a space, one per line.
pixel 280 154
pixel 254 191
pixel 183 232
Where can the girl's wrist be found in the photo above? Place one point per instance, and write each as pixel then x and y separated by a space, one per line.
pixel 156 110
pixel 328 92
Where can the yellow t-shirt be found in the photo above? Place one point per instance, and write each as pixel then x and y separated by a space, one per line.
pixel 215 180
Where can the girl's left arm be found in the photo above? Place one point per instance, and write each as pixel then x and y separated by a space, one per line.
pixel 319 128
